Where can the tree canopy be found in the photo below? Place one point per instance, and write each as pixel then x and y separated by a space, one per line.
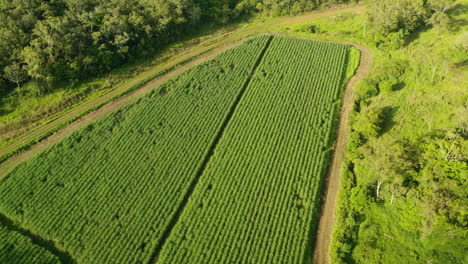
pixel 53 40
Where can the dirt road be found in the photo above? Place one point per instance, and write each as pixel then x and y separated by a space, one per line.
pixel 332 185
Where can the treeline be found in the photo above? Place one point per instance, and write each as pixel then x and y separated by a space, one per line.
pixel 393 21
pixel 51 40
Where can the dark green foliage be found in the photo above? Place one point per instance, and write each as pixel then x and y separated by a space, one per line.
pixel 365 90
pixel 444 174
pixel 71 40
pixel 107 193
pixel 258 199
pixel 388 85
pixel 394 20
pixel 290 7
pixel 389 16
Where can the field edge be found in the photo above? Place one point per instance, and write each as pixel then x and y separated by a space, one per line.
pixel 357 69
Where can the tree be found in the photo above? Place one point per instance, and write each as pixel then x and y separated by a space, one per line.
pixel 369 122
pixel 444 177
pixel 390 161
pixel 36 65
pixel 388 16
pixel 15 73
pixel 388 84
pixel 259 7
pixel 439 17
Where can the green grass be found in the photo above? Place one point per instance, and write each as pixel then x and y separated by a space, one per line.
pixel 353 62
pixel 428 100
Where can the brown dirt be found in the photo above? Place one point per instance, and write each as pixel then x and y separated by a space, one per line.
pixel 332 185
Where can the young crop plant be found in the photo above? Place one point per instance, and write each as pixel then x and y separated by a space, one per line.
pixel 107 193
pixel 257 201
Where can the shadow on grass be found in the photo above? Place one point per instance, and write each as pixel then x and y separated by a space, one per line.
pixel 399 86
pixel 389 114
pixel 458 9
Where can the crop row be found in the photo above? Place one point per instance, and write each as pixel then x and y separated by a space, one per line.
pixel 107 193
pixel 257 200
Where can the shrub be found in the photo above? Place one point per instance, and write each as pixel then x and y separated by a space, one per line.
pixel 388 85
pixel 369 122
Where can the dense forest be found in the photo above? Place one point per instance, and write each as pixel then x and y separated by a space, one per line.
pixel 48 41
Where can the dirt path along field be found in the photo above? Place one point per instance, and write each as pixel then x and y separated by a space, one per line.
pixel 332 184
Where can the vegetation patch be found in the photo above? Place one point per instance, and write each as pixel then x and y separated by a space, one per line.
pixel 20 249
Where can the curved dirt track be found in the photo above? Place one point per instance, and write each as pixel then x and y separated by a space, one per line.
pixel 332 184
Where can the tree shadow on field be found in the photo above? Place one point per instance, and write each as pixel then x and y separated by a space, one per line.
pixel 388 115
pixel 416 34
pixel 457 24
pixel 458 9
pixel 399 86
pixel 23 253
